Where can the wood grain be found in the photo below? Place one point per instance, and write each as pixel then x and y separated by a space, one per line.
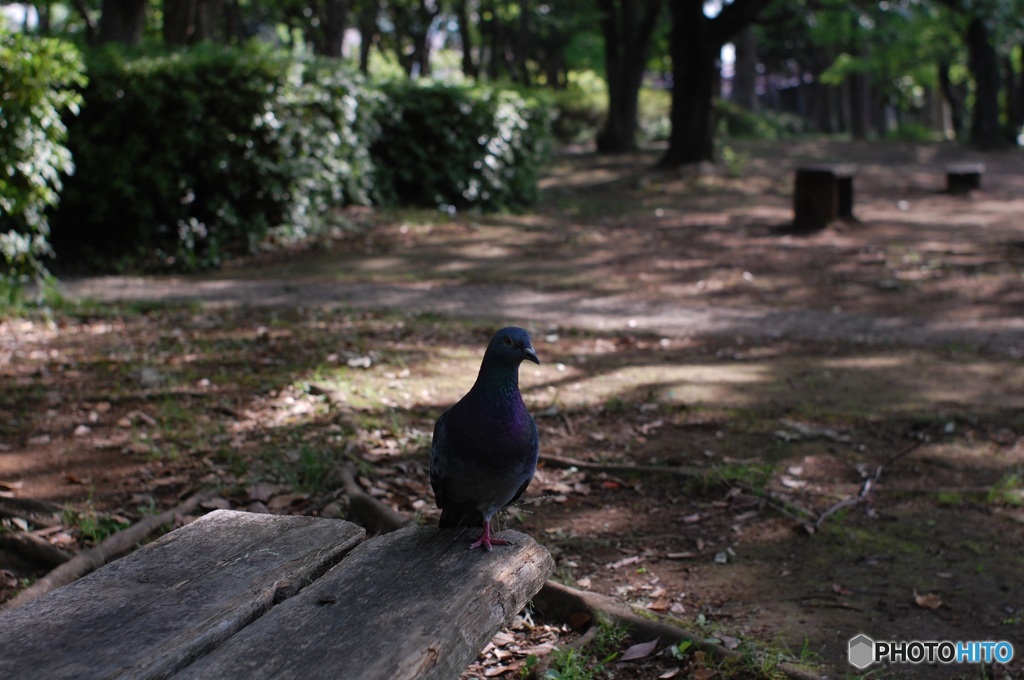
pixel 415 603
pixel 153 612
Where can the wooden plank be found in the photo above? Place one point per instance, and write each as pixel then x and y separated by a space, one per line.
pixel 155 610
pixel 410 604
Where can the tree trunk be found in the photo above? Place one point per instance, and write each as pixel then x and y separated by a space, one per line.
pixel 466 38
pixel 90 25
pixel 334 20
pixel 1014 96
pixel 986 133
pixel 694 71
pixel 695 43
pixel 367 33
pixel 179 21
pixel 744 81
pixel 522 51
pixel 956 103
pixel 122 21
pixel 190 21
pixel 627 26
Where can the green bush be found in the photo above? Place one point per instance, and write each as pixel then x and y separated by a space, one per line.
pixel 580 109
pixel 737 122
pixel 190 156
pixel 37 84
pixel 654 109
pixel 466 147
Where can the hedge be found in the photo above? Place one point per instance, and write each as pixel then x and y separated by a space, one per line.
pixel 188 157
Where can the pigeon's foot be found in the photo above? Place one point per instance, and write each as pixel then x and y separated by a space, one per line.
pixel 486 540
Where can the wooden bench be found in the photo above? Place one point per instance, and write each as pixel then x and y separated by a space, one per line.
pixel 961 178
pixel 242 595
pixel 822 194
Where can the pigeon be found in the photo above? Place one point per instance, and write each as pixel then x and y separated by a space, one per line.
pixel 484 451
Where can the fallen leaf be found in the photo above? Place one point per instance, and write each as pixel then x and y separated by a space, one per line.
pixel 928 601
pixel 660 604
pixel 639 651
pixel 729 642
pixel 840 590
pixel 670 673
pixel 577 620
pixel 623 562
pixel 264 491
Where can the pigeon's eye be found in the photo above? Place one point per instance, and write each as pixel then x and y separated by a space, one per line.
pixel 508 341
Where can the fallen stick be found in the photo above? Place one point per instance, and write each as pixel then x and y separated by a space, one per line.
pixel 561 602
pixel 113 546
pixel 620 469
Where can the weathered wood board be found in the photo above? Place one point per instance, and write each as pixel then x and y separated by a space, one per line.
pixel 154 611
pixel 415 603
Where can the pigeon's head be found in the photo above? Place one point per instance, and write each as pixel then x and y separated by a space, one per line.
pixel 512 345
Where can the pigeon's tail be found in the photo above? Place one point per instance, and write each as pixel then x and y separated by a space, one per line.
pixel 452 517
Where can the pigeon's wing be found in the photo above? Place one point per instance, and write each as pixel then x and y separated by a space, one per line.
pixel 439 460
pixel 533 448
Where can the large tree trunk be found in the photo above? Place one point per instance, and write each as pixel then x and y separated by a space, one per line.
pixel 334 20
pixel 627 26
pixel 984 63
pixel 122 21
pixel 190 21
pixel 695 44
pixel 694 72
pixel 466 38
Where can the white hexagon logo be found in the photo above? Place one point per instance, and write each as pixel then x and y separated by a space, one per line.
pixel 862 652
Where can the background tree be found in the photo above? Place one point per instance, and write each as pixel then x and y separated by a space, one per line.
pixel 695 43
pixel 627 27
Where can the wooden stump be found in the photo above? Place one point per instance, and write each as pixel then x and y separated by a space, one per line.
pixel 961 178
pixel 821 194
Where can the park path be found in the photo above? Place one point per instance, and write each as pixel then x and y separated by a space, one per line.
pixel 573 308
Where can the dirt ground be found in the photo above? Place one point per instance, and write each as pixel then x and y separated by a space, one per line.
pixel 829 426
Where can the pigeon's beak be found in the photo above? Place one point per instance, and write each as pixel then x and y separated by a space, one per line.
pixel 531 355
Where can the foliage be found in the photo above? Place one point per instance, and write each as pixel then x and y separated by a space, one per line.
pixel 655 107
pixel 185 157
pixel 736 122
pixel 36 87
pixel 580 108
pixel 459 146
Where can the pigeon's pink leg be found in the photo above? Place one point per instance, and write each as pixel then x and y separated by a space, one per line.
pixel 486 541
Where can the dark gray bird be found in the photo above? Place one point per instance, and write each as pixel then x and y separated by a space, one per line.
pixel 485 447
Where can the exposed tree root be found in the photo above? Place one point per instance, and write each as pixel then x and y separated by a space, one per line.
pixel 560 602
pixel 362 508
pixel 112 547
pixel 34 549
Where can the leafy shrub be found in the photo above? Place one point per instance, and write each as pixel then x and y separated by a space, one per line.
pixel 736 121
pixel 460 146
pixel 654 111
pixel 189 156
pixel 36 86
pixel 580 109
